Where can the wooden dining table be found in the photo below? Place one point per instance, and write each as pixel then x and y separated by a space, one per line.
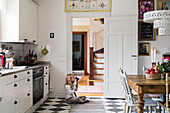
pixel 144 86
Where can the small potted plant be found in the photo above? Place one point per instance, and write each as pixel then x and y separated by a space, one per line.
pixel 153 73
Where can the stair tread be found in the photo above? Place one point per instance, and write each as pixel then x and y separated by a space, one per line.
pixel 98 74
pixel 99 57
pixel 99 53
pixel 98 63
pixel 97 80
pixel 98 68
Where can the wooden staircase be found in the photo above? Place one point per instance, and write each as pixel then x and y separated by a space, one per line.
pixel 97 76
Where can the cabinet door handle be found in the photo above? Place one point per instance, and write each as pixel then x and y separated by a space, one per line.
pixel 15 76
pixel 45 83
pixel 28 80
pixel 46 72
pixel 34 40
pixel 15 85
pixel 15 102
pixel 28 72
pixel 46 67
pixel 28 94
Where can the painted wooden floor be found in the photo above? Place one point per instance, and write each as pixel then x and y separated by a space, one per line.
pixel 84 82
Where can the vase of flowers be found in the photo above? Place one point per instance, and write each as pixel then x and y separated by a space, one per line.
pixel 164 66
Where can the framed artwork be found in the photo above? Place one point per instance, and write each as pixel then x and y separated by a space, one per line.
pixel 163 4
pixel 146 31
pixel 76 46
pixel 145 6
pixel 144 49
pixel 88 5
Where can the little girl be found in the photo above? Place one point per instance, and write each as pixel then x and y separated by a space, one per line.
pixel 71 86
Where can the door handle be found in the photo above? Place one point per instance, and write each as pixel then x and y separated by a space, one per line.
pixel 134 55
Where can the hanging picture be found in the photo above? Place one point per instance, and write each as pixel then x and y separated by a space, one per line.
pixel 88 5
pixel 145 6
pixel 146 31
pixel 144 49
pixel 163 4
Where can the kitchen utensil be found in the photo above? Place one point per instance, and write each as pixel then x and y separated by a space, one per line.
pixel 44 51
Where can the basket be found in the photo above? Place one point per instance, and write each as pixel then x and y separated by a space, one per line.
pixel 155 76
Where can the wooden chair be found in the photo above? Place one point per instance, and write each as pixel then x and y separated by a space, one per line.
pixel 165 104
pixel 130 100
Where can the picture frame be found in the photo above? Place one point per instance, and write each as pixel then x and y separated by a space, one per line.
pixel 146 31
pixel 76 46
pixel 88 5
pixel 145 6
pixel 144 49
pixel 163 4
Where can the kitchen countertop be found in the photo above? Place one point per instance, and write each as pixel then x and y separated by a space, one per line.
pixel 17 69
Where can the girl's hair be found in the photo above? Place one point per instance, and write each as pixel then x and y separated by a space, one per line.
pixel 68 80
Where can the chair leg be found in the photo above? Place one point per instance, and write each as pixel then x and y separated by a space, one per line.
pixel 130 110
pixel 155 110
pixel 163 110
pixel 147 109
pixel 150 109
pixel 159 109
pixel 125 107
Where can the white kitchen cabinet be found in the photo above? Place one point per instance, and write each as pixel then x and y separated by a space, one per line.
pixel 17 92
pixel 19 22
pixel 46 80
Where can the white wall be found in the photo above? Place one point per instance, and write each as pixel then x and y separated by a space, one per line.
pixel 162 44
pixel 52 18
pixel 80 21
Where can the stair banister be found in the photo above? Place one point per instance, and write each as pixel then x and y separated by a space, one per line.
pixel 91 63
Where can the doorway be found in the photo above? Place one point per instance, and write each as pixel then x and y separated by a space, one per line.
pixel 88 33
pixel 79 52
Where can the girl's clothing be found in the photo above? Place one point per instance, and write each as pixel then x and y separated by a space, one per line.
pixel 70 98
pixel 69 91
pixel 79 99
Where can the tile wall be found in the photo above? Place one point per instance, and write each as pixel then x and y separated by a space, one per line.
pixel 23 49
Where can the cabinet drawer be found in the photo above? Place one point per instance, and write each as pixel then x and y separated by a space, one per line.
pixel 13 105
pixel 27 101
pixel 20 87
pixel 46 68
pixel 15 77
pixel 23 75
pixel 46 72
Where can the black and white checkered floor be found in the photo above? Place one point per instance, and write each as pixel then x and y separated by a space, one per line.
pixel 58 105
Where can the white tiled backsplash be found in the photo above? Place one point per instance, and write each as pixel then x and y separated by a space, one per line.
pixel 23 49
pixel 17 48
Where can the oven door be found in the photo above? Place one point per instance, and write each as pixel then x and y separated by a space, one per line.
pixel 38 89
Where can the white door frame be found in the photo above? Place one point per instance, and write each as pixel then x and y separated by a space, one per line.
pixel 70 16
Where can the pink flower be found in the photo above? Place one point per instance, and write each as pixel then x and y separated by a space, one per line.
pixel 160 63
pixel 166 60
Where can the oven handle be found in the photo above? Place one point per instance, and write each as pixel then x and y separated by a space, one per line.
pixel 39 78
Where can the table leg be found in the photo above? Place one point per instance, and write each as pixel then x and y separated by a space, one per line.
pixel 140 103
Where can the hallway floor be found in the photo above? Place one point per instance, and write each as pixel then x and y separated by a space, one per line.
pixel 87 91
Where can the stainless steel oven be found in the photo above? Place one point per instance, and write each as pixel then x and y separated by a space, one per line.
pixel 38 84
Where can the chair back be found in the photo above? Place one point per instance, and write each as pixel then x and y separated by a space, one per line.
pixel 125 84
